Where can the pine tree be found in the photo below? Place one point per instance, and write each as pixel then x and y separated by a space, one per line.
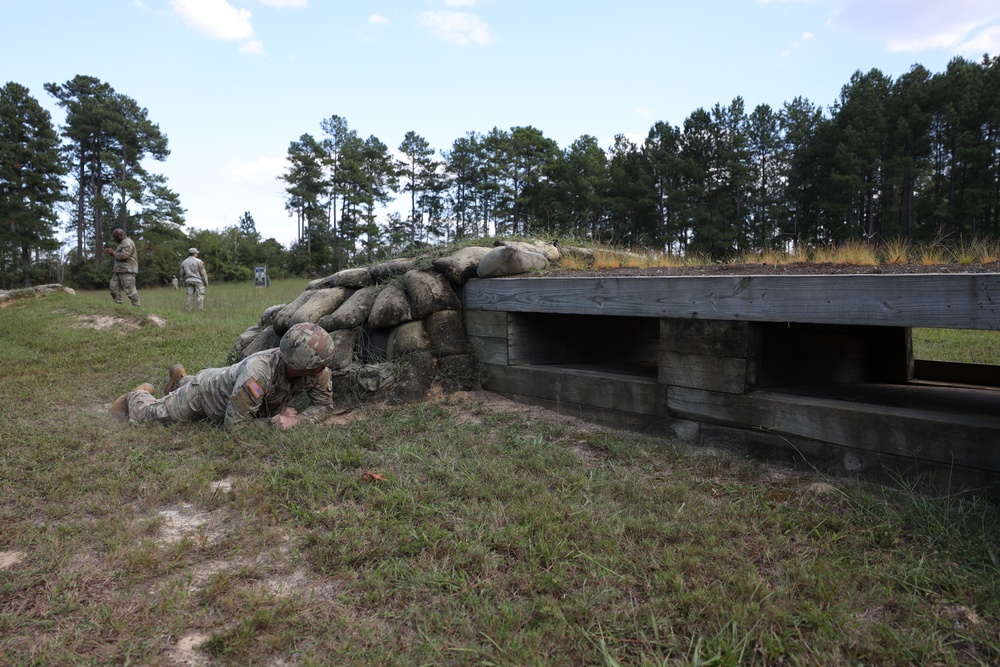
pixel 31 167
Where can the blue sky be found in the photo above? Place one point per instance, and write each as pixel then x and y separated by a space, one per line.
pixel 233 82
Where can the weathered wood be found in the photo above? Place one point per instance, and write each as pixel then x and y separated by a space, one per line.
pixel 489 350
pixel 489 323
pixel 701 371
pixel 715 337
pixel 942 438
pixel 487 334
pixel 838 347
pixel 951 301
pixel 590 388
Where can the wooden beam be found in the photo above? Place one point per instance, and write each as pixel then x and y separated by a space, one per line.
pixel 943 438
pixel 580 387
pixel 701 371
pixel 950 301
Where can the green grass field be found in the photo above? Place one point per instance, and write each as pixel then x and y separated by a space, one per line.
pixel 498 535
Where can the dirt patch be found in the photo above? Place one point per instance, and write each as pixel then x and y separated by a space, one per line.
pixel 103 322
pixel 301 584
pixel 9 559
pixel 185 652
pixel 222 486
pixel 184 520
pixel 343 416
pixel 470 406
pixel 959 615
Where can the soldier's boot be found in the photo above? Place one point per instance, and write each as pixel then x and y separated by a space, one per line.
pixel 120 406
pixel 176 373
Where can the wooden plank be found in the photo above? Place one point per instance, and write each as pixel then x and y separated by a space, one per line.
pixel 488 323
pixel 713 337
pixel 951 301
pixel 489 350
pixel 700 371
pixel 919 434
pixel 591 388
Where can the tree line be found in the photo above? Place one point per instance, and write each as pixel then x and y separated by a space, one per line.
pixel 914 158
pixel 917 157
pixel 92 176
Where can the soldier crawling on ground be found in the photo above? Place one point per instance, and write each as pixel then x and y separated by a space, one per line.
pixel 257 390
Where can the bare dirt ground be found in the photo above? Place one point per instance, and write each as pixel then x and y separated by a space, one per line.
pixel 102 322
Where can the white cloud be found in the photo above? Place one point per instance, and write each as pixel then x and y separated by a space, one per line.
pixel 258 174
pixel 377 19
pixel 284 4
pixel 216 19
pixel 643 111
pixel 459 28
pixel 253 47
pixel 986 40
pixel 460 3
pixel 912 26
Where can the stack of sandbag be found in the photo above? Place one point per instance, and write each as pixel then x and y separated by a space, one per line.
pixel 397 325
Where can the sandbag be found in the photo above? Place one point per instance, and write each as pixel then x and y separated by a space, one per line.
pixel 391 307
pixel 428 292
pixel 510 261
pixel 461 265
pixel 351 313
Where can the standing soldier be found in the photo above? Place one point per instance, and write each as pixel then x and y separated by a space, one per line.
pixel 194 277
pixel 125 269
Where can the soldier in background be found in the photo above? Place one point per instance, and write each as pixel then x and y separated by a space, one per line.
pixel 125 269
pixel 257 390
pixel 194 277
pixel 173 281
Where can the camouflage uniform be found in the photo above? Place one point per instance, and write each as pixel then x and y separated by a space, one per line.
pixel 124 272
pixel 252 391
pixel 194 277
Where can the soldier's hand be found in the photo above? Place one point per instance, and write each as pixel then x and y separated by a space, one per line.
pixel 284 421
pixel 109 251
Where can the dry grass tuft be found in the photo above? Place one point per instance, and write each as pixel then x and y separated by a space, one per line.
pixel 895 251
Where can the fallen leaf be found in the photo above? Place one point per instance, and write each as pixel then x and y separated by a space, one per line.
pixel 372 476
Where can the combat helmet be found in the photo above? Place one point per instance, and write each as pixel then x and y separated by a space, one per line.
pixel 306 346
